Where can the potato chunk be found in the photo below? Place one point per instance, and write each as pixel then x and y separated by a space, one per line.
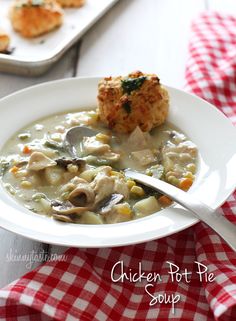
pixel 90 218
pixel 146 206
pixel 144 157
pixel 54 175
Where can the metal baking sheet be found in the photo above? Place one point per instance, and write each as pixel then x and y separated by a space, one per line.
pixel 35 56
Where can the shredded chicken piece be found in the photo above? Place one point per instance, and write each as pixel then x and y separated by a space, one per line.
pixel 88 195
pixel 103 186
pixel 121 187
pixel 144 157
pixel 39 161
pixel 93 146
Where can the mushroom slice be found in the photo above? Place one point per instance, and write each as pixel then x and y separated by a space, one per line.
pixel 82 195
pixel 67 208
pixel 62 218
pixel 107 204
pixel 39 161
pixel 21 162
pixel 64 162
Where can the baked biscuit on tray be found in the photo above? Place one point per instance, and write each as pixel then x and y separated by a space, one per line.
pixel 71 3
pixel 4 41
pixel 32 18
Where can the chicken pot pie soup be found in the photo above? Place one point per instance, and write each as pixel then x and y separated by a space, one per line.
pixel 91 188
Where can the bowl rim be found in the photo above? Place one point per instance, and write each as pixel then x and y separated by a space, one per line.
pixel 20 230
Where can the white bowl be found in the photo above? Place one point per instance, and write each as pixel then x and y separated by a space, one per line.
pixel 213 133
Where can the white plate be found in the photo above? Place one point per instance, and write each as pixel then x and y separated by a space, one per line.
pixel 35 56
pixel 203 123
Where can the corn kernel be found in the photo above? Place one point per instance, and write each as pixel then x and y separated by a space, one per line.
pixel 26 184
pixel 188 175
pixel 21 174
pixel 60 129
pixel 56 137
pixel 170 173
pixel 102 137
pixel 118 174
pixel 173 180
pixel 124 209
pixel 137 190
pixel 93 116
pixel 192 168
pixel 130 183
pixel 148 172
pixel 72 168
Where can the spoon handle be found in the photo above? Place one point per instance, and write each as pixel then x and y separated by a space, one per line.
pixel 212 218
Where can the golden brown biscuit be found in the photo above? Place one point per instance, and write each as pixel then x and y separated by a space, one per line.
pixel 32 18
pixel 71 3
pixel 137 100
pixel 4 41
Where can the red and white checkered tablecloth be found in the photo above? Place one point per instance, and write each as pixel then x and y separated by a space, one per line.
pixel 80 287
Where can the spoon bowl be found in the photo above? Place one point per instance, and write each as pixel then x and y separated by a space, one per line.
pixel 74 137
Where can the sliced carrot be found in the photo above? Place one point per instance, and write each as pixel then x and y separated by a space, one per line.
pixel 26 150
pixel 14 169
pixel 185 184
pixel 164 200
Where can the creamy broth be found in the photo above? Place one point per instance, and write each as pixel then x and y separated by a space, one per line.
pixel 42 176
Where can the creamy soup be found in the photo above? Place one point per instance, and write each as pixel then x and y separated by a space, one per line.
pixel 91 188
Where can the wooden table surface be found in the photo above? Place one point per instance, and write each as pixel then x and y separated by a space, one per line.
pixel 149 35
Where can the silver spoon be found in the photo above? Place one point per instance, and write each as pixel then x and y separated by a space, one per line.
pixel 212 218
pixel 74 136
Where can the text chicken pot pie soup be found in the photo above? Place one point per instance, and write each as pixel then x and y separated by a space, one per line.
pixel 130 131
